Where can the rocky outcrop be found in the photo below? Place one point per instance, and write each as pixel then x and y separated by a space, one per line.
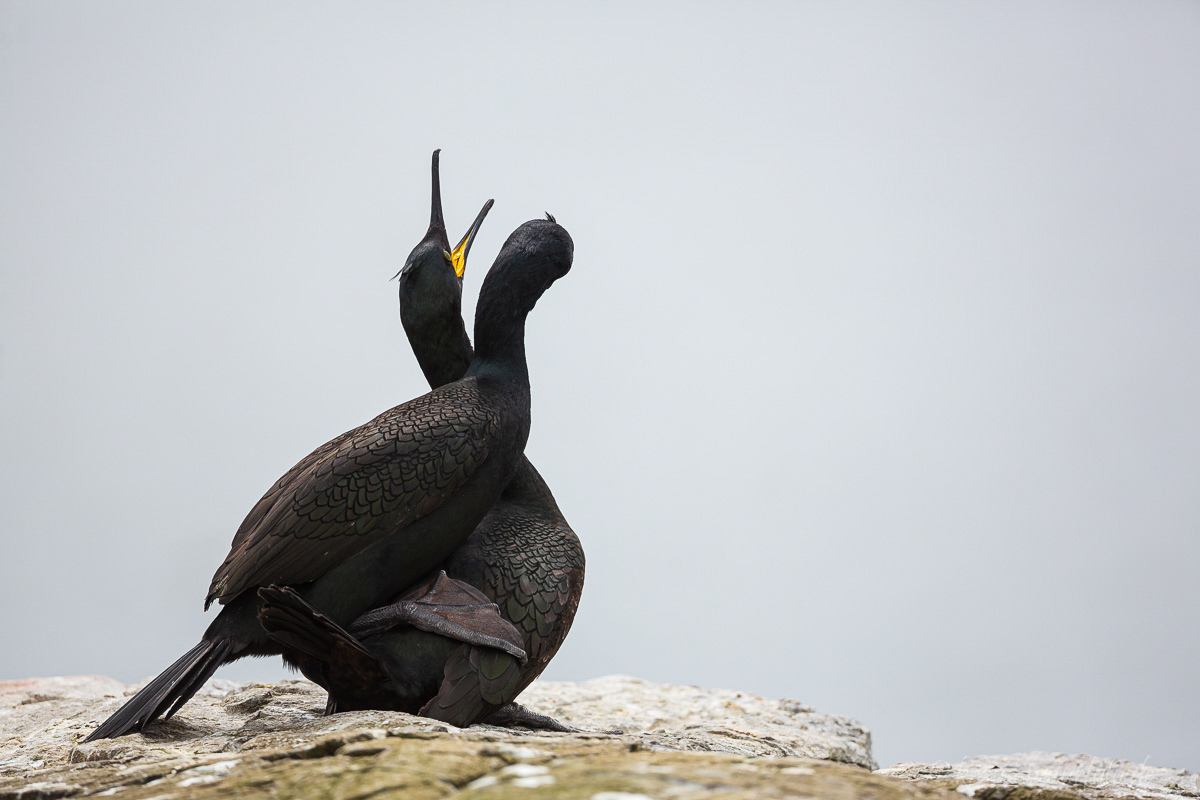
pixel 236 737
pixel 637 740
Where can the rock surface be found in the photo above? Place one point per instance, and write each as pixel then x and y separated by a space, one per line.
pixel 252 740
pixel 994 777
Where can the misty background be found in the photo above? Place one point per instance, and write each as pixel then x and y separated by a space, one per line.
pixel 875 384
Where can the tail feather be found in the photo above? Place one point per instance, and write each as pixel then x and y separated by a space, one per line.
pixel 166 693
pixel 324 651
pixel 199 675
pixel 293 623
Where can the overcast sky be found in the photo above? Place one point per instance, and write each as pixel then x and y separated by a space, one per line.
pixel 876 383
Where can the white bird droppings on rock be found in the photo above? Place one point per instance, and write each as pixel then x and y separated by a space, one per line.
pixel 524 770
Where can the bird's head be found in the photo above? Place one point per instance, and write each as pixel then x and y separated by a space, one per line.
pixel 433 272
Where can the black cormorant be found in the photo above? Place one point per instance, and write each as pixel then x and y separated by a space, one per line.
pixel 524 556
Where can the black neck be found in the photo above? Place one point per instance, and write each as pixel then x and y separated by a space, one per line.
pixel 504 353
pixel 443 349
pixel 536 255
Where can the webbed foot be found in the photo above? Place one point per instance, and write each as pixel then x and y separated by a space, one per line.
pixel 451 608
pixel 515 715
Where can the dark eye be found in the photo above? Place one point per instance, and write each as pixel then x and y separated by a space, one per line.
pixel 446 255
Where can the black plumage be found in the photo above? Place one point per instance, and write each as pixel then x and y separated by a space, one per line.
pixel 526 558
pixel 523 556
pixel 376 509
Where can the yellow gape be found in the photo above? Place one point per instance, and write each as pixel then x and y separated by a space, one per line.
pixel 459 257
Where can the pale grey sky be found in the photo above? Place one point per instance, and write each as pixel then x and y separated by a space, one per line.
pixel 875 383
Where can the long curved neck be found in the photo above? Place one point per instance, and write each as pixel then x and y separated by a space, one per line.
pixel 503 356
pixel 443 350
pixel 500 328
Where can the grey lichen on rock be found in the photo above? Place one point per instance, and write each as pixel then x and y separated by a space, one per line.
pixel 253 740
pixel 689 718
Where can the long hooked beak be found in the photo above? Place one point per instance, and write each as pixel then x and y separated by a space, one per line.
pixel 435 211
pixel 437 224
pixel 458 256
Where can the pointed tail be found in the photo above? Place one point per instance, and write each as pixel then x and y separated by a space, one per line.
pixel 166 693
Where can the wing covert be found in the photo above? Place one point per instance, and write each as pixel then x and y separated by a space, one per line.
pixel 377 478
